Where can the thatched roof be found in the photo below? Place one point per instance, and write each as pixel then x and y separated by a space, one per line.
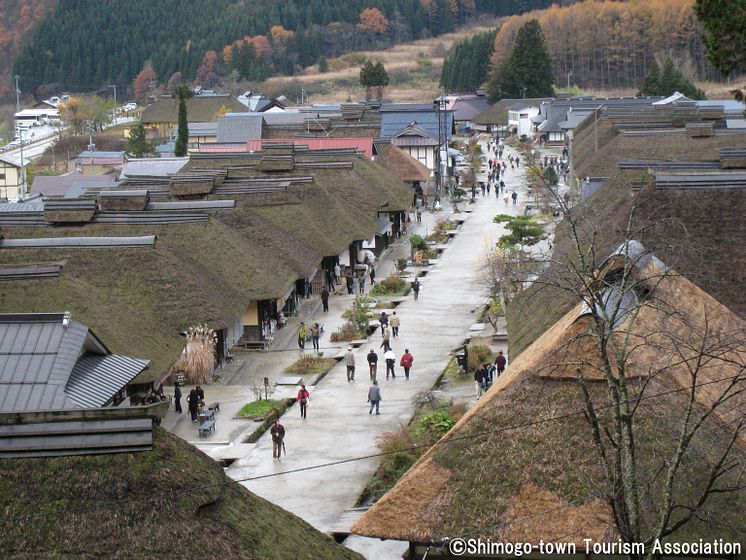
pixel 699 232
pixel 401 164
pixel 541 480
pixel 199 109
pixel 605 163
pixel 139 300
pixel 171 502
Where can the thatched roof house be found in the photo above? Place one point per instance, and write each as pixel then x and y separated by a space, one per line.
pixel 521 466
pixel 162 115
pixel 256 236
pixel 171 502
pixel 401 164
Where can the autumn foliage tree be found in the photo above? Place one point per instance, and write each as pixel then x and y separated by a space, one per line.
pixel 207 72
pixel 144 83
pixel 372 20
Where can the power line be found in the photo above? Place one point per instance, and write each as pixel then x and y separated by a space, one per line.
pixel 555 418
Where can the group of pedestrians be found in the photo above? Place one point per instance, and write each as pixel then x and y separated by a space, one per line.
pixel 487 373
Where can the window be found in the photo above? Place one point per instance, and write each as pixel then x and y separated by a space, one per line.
pixel 2 176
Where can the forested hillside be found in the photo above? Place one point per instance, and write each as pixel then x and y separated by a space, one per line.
pixel 467 66
pixel 88 44
pixel 609 44
pixel 17 21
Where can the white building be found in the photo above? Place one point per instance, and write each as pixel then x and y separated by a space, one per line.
pixel 519 118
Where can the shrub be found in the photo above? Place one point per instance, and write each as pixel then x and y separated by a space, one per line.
pixel 347 332
pixel 436 424
pixel 478 355
pixel 393 285
pixel 401 264
pixel 311 364
pixel 258 409
pixel 418 242
pixel 359 314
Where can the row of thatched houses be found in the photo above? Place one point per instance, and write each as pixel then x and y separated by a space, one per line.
pixel 233 239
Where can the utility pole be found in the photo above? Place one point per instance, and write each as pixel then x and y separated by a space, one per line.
pixel 18 94
pixel 22 190
pixel 569 73
pixel 115 93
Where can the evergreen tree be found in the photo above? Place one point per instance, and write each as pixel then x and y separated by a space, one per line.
pixel 373 74
pixel 466 67
pixel 527 71
pixel 137 144
pixel 323 64
pixel 182 134
pixel 668 81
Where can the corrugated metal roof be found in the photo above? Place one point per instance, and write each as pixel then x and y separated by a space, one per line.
pixel 362 145
pixel 203 128
pixel 53 185
pixel 36 205
pixel 97 154
pixel 239 127
pixel 95 379
pixel 153 167
pixel 394 122
pixel 79 242
pixel 283 118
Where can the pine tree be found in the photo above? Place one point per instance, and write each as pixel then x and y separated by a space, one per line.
pixel 137 143
pixel 373 74
pixel 527 71
pixel 182 135
pixel 668 81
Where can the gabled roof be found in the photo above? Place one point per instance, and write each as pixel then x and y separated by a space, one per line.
pixel 413 135
pixel 539 480
pixel 41 367
pixel 498 113
pixel 399 115
pixel 239 127
pixel 203 128
pixel 465 109
pixel 199 109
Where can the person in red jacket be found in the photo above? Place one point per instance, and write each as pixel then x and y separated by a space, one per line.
pixel 406 362
pixel 303 397
pixel 500 363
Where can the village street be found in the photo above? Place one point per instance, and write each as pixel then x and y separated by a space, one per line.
pixel 339 427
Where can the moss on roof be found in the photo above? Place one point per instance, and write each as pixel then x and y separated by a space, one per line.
pixel 698 232
pixel 541 480
pixel 139 300
pixel 605 162
pixel 199 109
pixel 147 505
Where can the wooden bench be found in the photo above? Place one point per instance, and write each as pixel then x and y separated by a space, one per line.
pixel 206 428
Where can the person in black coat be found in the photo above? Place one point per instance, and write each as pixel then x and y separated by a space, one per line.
pixel 193 401
pixel 177 398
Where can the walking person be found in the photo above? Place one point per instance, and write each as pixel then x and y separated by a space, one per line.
pixel 505 197
pixel 177 398
pixel 514 196
pixel 193 402
pixel 302 333
pixel 350 363
pixel 384 320
pixel 390 358
pixel 394 324
pixel 337 273
pixel 303 397
pixel 500 363
pixel 406 362
pixel 374 397
pixel 361 284
pixel 416 289
pixel 372 275
pixel 277 431
pixel 479 380
pixel 315 334
pixel 372 358
pixel 350 284
pixel 386 343
pixel 325 298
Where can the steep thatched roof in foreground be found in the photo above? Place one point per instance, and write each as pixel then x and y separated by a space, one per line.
pixel 698 232
pixel 543 480
pixel 171 502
